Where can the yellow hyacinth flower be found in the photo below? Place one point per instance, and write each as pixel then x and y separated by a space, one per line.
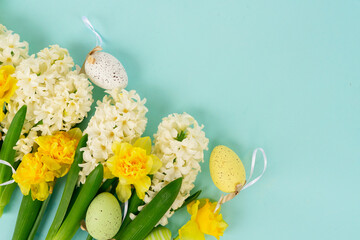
pixel 7 86
pixel 132 164
pixel 203 221
pixel 32 174
pixel 58 150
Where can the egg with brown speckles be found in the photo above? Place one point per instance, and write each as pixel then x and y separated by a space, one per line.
pixel 103 217
pixel 106 71
pixel 226 169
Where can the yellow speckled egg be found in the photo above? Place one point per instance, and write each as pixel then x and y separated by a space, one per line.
pixel 226 169
pixel 103 217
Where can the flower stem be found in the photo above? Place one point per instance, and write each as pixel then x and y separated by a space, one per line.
pixel 28 212
pixel 38 218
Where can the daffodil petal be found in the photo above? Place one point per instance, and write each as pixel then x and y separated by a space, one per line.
pixel 192 207
pixel 145 143
pixel 24 188
pixel 141 186
pixel 8 83
pixel 149 164
pixel 209 222
pixel 115 147
pixel 123 192
pixel 110 164
pixel 40 191
pixel 156 164
pixel 191 231
pixel 41 141
pixel 50 163
pixel 124 181
pixel 120 147
pixel 2 114
pixel 49 176
pixel 75 133
pixel 107 172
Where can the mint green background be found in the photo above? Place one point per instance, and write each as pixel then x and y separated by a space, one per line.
pixel 283 75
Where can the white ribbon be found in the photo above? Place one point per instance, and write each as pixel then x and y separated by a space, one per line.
pixel 12 169
pixel 126 205
pixel 248 183
pixel 88 24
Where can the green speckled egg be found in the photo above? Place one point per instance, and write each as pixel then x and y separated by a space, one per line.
pixel 159 233
pixel 103 217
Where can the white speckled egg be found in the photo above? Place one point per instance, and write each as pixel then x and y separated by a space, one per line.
pixel 106 71
pixel 103 217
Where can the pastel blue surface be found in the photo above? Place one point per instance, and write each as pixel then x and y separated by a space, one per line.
pixel 282 75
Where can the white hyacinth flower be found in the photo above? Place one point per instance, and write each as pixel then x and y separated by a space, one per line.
pixel 119 117
pixel 12 50
pixel 179 143
pixel 57 97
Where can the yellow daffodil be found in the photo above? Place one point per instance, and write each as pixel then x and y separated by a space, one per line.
pixel 132 164
pixel 33 175
pixel 203 221
pixel 38 171
pixel 7 86
pixel 58 150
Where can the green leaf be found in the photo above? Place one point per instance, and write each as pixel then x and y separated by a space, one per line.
pixel 28 212
pixel 190 199
pixel 181 136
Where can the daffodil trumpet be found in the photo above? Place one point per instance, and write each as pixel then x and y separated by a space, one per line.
pixel 7 154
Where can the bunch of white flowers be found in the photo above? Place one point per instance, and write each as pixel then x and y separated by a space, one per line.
pixel 12 51
pixel 119 117
pixel 56 96
pixel 179 143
